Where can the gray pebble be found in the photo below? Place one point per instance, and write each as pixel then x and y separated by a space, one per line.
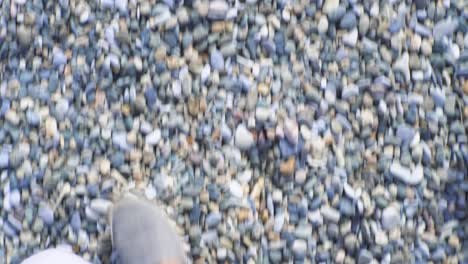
pixel 299 248
pixel 4 159
pixel 330 213
pixel 213 219
pixel 243 138
pixel 216 60
pixel 46 214
pixel 348 21
pixel 218 9
pixel 390 218
pixel 406 175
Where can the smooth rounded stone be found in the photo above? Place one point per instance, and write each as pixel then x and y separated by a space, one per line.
pixel 348 21
pixel 221 253
pixel 163 14
pixel 291 131
pixel 415 43
pixel 218 9
pixel 350 38
pixel 213 219
pixel 303 231
pixel 12 117
pixel 365 257
pixel 245 176
pixel 299 248
pixel 186 203
pixel 121 5
pixel 347 207
pixel 411 177
pixel 364 24
pixel 262 113
pixel 14 222
pixel 405 133
pixel 421 4
pixel 51 127
pixel 445 27
pixel 24 35
pixel 235 189
pixel 106 4
pixel 390 218
pixel 402 65
pixel 46 214
pixel 330 214
pixel 153 137
pixel 101 206
pixel 322 25
pixel 59 58
pixel 349 91
pixel 330 5
pixel 216 60
pixel 278 222
pixel 301 176
pixel 14 198
pixel 33 118
pixel 226 132
pixel 4 159
pixel 75 221
pixel 244 140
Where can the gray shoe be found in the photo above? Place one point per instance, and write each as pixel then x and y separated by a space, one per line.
pixel 141 234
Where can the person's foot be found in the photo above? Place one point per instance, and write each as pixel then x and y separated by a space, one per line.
pixel 141 234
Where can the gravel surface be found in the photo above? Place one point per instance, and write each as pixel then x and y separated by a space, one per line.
pixel 324 131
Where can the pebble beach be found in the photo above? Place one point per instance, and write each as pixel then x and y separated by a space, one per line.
pixel 269 131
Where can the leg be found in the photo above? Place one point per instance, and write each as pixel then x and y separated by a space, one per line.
pixel 142 234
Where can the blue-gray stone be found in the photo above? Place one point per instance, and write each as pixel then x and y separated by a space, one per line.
pixel 33 118
pixel 5 107
pixel 9 230
pixel 150 96
pixel 422 30
pixel 218 10
pixel 269 47
pixel 15 223
pixel 299 247
pixel 395 26
pixel 210 237
pixel 226 132
pixel 348 21
pixel 287 149
pixel 405 133
pixel 120 139
pixel 336 14
pixel 187 40
pixel 439 254
pixel 117 159
pixel 4 159
pixel 171 39
pixel 216 60
pixel 349 91
pixel 245 83
pixel 26 77
pixel 75 221
pixel 347 207
pixel 279 222
pixel 59 58
pixel 46 214
pixel 365 257
pixel 444 27
pixel 421 4
pixel 15 198
pixel 213 219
